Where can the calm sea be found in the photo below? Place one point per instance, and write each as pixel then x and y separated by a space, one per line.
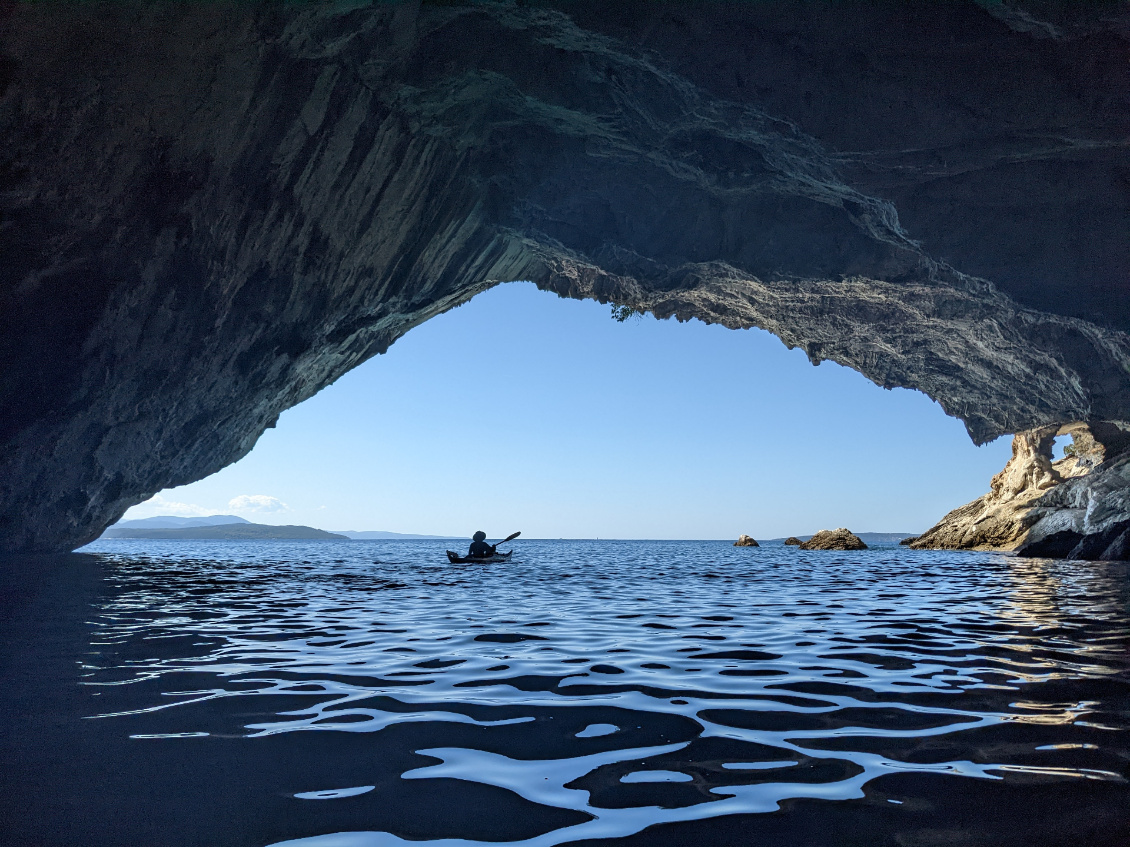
pixel 368 694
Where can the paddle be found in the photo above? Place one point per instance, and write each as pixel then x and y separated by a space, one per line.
pixel 503 541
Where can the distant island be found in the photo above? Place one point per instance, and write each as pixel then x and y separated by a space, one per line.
pixel 233 528
pixel 172 522
pixel 226 532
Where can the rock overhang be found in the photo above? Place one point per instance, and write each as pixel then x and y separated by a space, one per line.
pixel 215 211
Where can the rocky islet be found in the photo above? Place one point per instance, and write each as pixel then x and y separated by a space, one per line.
pixel 833 539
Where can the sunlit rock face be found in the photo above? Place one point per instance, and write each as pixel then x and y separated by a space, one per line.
pixel 833 539
pixel 1077 507
pixel 208 213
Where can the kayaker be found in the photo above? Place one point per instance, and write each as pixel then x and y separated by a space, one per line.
pixel 479 547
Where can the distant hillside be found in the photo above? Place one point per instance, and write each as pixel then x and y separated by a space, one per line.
pixel 227 532
pixel 393 536
pixel 170 522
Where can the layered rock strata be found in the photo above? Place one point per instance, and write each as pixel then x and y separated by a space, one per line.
pixel 833 539
pixel 1077 507
pixel 209 212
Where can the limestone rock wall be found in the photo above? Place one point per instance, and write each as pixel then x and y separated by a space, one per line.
pixel 1076 507
pixel 209 212
pixel 1085 518
pixel 1001 519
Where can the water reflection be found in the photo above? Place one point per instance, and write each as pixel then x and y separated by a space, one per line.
pixel 606 687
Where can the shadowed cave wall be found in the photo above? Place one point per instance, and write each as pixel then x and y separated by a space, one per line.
pixel 208 212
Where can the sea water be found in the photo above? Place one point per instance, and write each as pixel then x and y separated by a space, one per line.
pixel 621 692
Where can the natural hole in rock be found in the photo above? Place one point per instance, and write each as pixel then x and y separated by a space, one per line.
pixel 522 410
pixel 1060 445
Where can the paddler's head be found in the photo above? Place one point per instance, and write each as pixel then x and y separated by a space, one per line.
pixel 479 536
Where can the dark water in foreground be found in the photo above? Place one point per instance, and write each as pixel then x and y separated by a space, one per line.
pixel 361 694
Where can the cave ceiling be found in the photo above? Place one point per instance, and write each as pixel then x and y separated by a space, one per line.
pixel 210 211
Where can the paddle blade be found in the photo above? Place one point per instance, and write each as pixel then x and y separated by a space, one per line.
pixel 508 538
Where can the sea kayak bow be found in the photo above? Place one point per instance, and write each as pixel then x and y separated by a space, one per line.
pixel 456 559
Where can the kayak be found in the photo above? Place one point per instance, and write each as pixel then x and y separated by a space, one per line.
pixel 456 559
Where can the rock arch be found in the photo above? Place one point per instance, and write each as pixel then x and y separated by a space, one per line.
pixel 210 212
pixel 1076 507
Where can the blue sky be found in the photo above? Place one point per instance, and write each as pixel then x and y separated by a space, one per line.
pixel 524 411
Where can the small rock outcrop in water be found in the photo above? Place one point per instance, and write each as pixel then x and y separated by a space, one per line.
pixel 746 541
pixel 1076 507
pixel 834 539
pixel 906 542
pixel 792 541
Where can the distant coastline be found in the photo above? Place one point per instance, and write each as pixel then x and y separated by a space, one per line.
pixel 377 535
pixel 233 528
pixel 226 532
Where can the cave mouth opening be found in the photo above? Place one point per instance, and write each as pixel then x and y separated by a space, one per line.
pixel 522 410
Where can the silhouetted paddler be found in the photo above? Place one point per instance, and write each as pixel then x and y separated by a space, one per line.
pixel 479 548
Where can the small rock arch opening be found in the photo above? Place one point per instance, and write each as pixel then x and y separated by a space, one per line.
pixel 1058 496
pixel 1062 445
pixel 1076 449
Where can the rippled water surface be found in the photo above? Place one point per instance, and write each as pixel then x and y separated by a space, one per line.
pixel 591 690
